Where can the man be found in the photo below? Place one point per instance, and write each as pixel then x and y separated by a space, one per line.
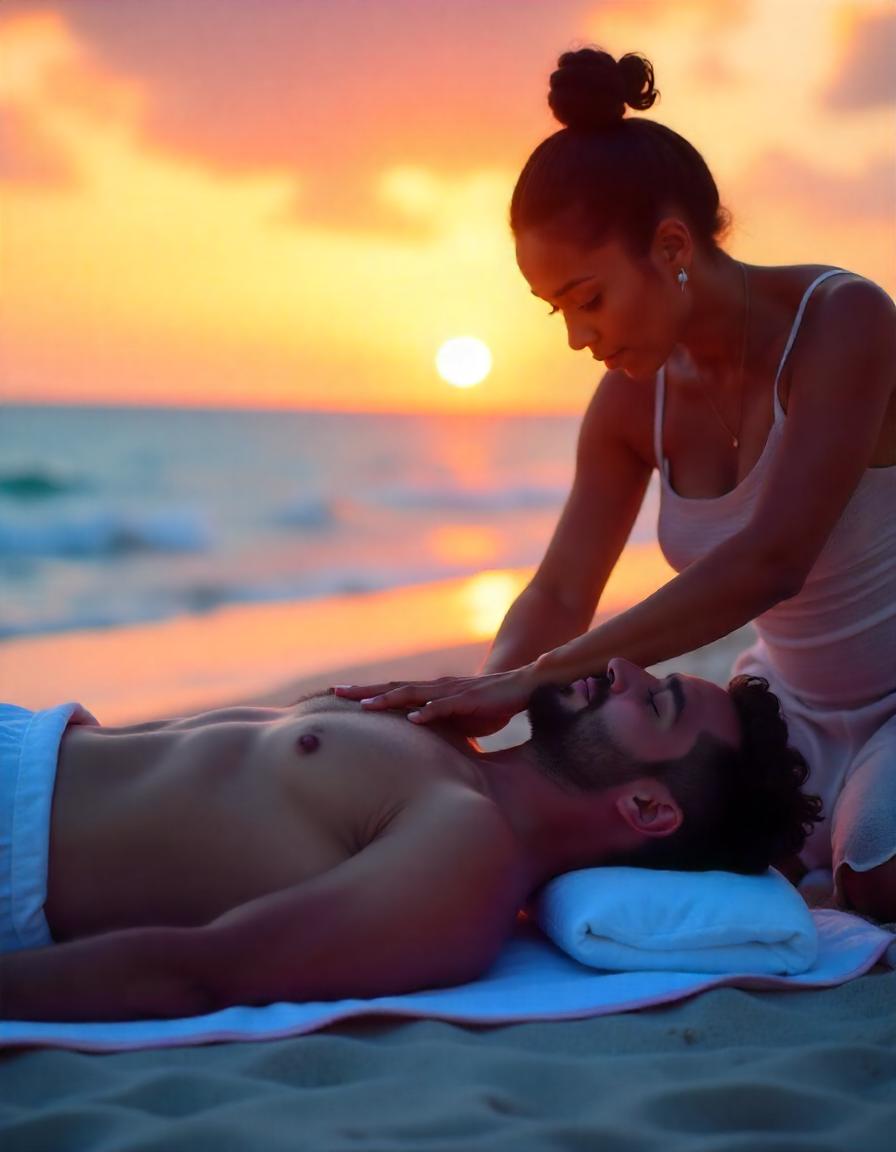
pixel 316 852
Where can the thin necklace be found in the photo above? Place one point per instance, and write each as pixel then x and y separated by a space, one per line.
pixel 735 436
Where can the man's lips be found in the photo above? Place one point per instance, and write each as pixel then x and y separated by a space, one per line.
pixel 588 686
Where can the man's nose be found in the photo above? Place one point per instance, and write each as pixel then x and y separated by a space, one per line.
pixel 624 674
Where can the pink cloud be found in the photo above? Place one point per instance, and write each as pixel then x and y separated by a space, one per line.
pixel 710 70
pixel 866 75
pixel 332 92
pixel 821 193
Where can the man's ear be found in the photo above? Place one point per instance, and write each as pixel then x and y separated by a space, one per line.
pixel 649 808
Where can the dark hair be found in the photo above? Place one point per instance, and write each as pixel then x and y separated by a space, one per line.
pixel 602 176
pixel 744 808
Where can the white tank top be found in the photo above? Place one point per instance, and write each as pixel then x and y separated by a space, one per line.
pixel 833 644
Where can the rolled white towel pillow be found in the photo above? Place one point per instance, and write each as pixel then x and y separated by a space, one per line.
pixel 641 919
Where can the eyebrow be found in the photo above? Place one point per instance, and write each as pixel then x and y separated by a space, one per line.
pixel 570 284
pixel 674 685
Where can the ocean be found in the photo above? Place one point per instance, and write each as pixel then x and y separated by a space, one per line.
pixel 114 516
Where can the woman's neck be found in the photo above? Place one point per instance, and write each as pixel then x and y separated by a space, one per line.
pixel 714 336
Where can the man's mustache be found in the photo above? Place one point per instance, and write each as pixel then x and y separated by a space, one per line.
pixel 546 701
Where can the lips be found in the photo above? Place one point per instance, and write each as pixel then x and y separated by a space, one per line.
pixel 589 687
pixel 583 684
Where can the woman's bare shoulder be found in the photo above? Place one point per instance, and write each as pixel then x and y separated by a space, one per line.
pixel 620 413
pixel 845 351
pixel 789 282
pixel 782 290
pixel 846 299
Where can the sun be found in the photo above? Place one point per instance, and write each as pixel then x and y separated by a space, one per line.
pixel 463 361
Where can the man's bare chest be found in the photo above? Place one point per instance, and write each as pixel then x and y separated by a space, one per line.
pixel 346 771
pixel 221 812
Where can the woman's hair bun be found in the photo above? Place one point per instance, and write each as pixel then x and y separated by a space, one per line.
pixel 590 89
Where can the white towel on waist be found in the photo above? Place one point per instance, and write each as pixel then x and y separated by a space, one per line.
pixel 639 919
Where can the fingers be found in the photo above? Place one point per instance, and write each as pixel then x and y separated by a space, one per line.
pixel 398 693
pixel 390 695
pixel 460 705
pixel 408 696
pixel 360 691
pixel 426 714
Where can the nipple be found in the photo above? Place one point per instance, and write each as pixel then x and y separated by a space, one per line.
pixel 308 742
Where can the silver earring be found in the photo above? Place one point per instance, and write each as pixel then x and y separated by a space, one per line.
pixel 682 279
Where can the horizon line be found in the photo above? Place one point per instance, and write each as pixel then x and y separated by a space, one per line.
pixel 143 405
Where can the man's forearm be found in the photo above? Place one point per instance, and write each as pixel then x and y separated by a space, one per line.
pixel 126 975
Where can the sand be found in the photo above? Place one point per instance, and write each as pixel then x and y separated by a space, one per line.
pixel 729 1069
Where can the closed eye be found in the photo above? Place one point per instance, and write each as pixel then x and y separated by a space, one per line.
pixel 651 699
pixel 589 306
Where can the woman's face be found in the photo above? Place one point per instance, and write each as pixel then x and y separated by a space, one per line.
pixel 624 311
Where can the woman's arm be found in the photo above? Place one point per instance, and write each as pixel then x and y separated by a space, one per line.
pixel 613 465
pixel 841 388
pixel 612 471
pixel 714 596
pixel 691 610
pixel 535 622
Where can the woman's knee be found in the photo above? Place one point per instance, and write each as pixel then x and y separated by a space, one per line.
pixel 873 893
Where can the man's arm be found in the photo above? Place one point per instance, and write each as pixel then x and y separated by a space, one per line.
pixel 428 903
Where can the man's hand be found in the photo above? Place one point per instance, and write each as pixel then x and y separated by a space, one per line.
pixel 476 705
pixel 119 975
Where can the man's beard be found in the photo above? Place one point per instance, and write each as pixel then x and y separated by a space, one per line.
pixel 572 745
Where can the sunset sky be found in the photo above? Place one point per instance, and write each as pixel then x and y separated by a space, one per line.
pixel 296 202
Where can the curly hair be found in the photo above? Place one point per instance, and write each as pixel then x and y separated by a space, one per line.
pixel 744 808
pixel 606 176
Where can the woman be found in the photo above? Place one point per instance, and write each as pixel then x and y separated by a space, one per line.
pixel 766 397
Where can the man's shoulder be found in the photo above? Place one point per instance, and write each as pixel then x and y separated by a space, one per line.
pixel 456 844
pixel 458 821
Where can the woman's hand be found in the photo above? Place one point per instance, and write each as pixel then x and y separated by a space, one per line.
pixel 476 705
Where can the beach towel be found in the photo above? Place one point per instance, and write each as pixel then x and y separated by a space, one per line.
pixel 620 919
pixel 531 980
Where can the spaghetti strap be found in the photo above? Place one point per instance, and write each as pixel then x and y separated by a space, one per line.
pixel 658 405
pixel 779 411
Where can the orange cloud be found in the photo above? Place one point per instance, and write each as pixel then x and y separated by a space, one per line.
pixel 712 15
pixel 45 69
pixel 296 203
pixel 332 93
pixel 28 152
pixel 866 72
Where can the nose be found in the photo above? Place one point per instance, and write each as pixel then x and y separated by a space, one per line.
pixel 624 674
pixel 579 333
